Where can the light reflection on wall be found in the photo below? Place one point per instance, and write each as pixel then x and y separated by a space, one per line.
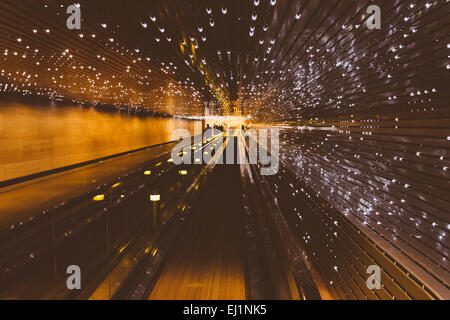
pixel 35 138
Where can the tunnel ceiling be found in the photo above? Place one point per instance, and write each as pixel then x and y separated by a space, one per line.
pixel 280 60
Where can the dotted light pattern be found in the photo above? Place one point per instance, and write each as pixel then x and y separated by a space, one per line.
pixel 365 113
pixel 280 60
pixel 40 56
pixel 385 179
pixel 377 146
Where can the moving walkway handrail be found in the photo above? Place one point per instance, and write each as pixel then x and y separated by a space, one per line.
pixel 104 189
pixel 41 174
pixel 306 286
pixel 142 280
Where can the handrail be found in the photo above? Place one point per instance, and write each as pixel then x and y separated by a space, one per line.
pixel 10 182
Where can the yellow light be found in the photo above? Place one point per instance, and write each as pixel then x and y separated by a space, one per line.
pixel 158 164
pixel 116 185
pixel 155 197
pixel 183 172
pixel 181 48
pixel 123 248
pixel 99 197
pixel 170 160
pixel 148 172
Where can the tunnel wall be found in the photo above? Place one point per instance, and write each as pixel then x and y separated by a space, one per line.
pixel 43 136
pixel 388 173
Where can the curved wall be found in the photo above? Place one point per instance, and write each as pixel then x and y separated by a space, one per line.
pixel 39 137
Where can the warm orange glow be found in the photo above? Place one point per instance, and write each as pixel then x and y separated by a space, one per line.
pixel 99 197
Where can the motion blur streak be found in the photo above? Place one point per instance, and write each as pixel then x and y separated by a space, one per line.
pixel 87 177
